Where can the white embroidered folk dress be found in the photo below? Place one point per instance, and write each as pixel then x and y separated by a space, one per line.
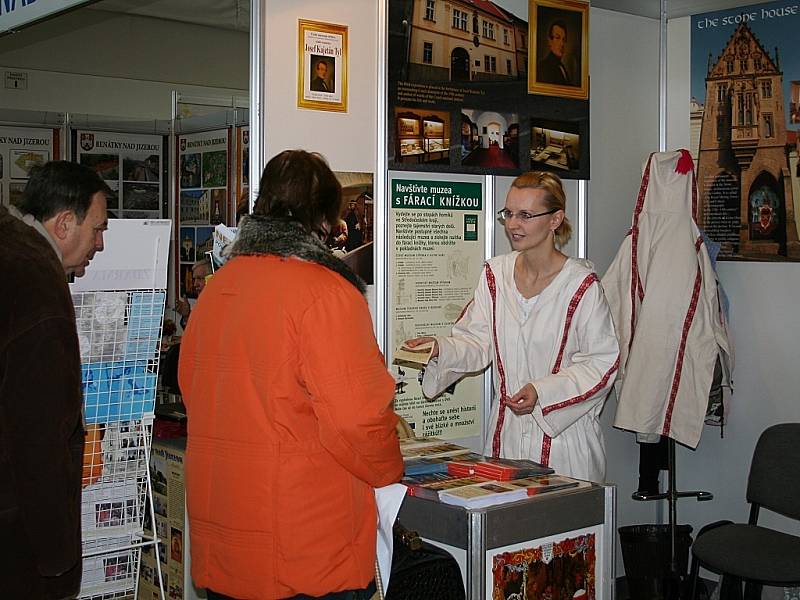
pixel 566 347
pixel 663 295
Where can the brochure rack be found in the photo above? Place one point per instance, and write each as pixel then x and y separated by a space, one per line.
pixel 563 539
pixel 119 309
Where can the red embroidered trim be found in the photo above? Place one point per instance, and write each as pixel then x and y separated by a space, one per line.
pixel 687 324
pixel 573 306
pixel 600 385
pixel 546 442
pixel 464 311
pixel 501 410
pixel 635 282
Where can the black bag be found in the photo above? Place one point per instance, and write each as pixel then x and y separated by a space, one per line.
pixel 422 571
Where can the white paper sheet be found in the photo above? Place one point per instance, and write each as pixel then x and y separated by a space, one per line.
pixel 389 499
pixel 135 257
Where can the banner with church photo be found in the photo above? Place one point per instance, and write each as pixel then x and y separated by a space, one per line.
pixel 460 96
pixel 745 117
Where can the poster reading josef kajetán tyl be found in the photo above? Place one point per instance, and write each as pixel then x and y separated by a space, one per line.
pixel 436 249
pixel 460 96
pixel 745 116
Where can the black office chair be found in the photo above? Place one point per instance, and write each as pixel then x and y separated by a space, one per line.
pixel 749 553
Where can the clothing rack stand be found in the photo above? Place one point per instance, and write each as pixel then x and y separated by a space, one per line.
pixel 671 496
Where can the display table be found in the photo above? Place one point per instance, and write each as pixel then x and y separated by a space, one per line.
pixel 563 539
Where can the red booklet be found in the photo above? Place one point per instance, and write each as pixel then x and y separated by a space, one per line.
pixel 500 469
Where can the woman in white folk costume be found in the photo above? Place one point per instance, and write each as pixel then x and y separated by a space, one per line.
pixel 541 318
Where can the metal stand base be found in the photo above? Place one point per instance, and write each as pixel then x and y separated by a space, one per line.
pixel 673 584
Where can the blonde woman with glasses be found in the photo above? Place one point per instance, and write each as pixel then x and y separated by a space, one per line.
pixel 540 317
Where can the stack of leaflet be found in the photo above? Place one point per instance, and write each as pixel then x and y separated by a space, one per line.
pixel 428 486
pixel 489 493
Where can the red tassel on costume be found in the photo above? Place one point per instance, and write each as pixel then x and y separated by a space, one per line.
pixel 685 163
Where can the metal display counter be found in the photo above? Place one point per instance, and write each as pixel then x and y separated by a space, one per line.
pixel 564 540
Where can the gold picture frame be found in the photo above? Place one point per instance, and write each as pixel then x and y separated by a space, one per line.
pixel 558 49
pixel 322 66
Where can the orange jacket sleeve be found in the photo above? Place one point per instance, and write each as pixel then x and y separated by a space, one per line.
pixel 351 389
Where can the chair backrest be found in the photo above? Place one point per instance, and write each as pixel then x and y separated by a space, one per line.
pixel 775 472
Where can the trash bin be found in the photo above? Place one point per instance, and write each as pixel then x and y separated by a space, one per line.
pixel 646 557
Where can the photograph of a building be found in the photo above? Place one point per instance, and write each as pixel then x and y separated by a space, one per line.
pixel 463 40
pixel 745 153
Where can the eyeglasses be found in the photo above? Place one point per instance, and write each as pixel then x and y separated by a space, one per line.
pixel 523 215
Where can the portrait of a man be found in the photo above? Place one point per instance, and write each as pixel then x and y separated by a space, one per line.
pixel 559 48
pixel 551 69
pixel 321 75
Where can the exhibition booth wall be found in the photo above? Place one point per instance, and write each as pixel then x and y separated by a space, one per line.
pixel 65 76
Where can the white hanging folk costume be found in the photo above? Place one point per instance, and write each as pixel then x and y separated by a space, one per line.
pixel 565 347
pixel 663 295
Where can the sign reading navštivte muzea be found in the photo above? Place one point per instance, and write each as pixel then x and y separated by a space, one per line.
pixel 745 116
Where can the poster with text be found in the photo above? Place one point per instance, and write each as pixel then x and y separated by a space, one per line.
pixel 436 247
pixel 132 165
pixel 203 199
pixel 561 566
pixel 459 98
pixel 744 120
pixel 21 149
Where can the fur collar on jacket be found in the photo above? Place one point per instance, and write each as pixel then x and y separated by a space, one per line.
pixel 259 235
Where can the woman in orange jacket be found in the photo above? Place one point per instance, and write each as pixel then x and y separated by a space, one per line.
pixel 289 403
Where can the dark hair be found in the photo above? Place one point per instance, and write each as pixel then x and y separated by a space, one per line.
pixel 60 185
pixel 557 23
pixel 299 186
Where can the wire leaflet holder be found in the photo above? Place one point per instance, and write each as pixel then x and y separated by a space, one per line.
pixel 119 310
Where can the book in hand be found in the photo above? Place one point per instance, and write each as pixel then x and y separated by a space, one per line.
pixel 499 492
pixel 503 469
pixel 416 357
pixel 429 486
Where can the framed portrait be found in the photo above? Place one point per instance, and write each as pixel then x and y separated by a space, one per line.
pixel 559 48
pixel 322 66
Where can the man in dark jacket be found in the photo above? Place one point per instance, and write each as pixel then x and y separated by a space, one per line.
pixel 54 231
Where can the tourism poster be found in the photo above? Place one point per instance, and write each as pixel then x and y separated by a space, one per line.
pixel 21 149
pixel 436 254
pixel 203 198
pixel 460 98
pixel 745 117
pixel 564 565
pixel 132 165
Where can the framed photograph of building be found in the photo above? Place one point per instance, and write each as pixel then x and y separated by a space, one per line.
pixel 322 66
pixel 559 48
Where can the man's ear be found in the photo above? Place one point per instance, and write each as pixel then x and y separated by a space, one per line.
pixel 61 224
